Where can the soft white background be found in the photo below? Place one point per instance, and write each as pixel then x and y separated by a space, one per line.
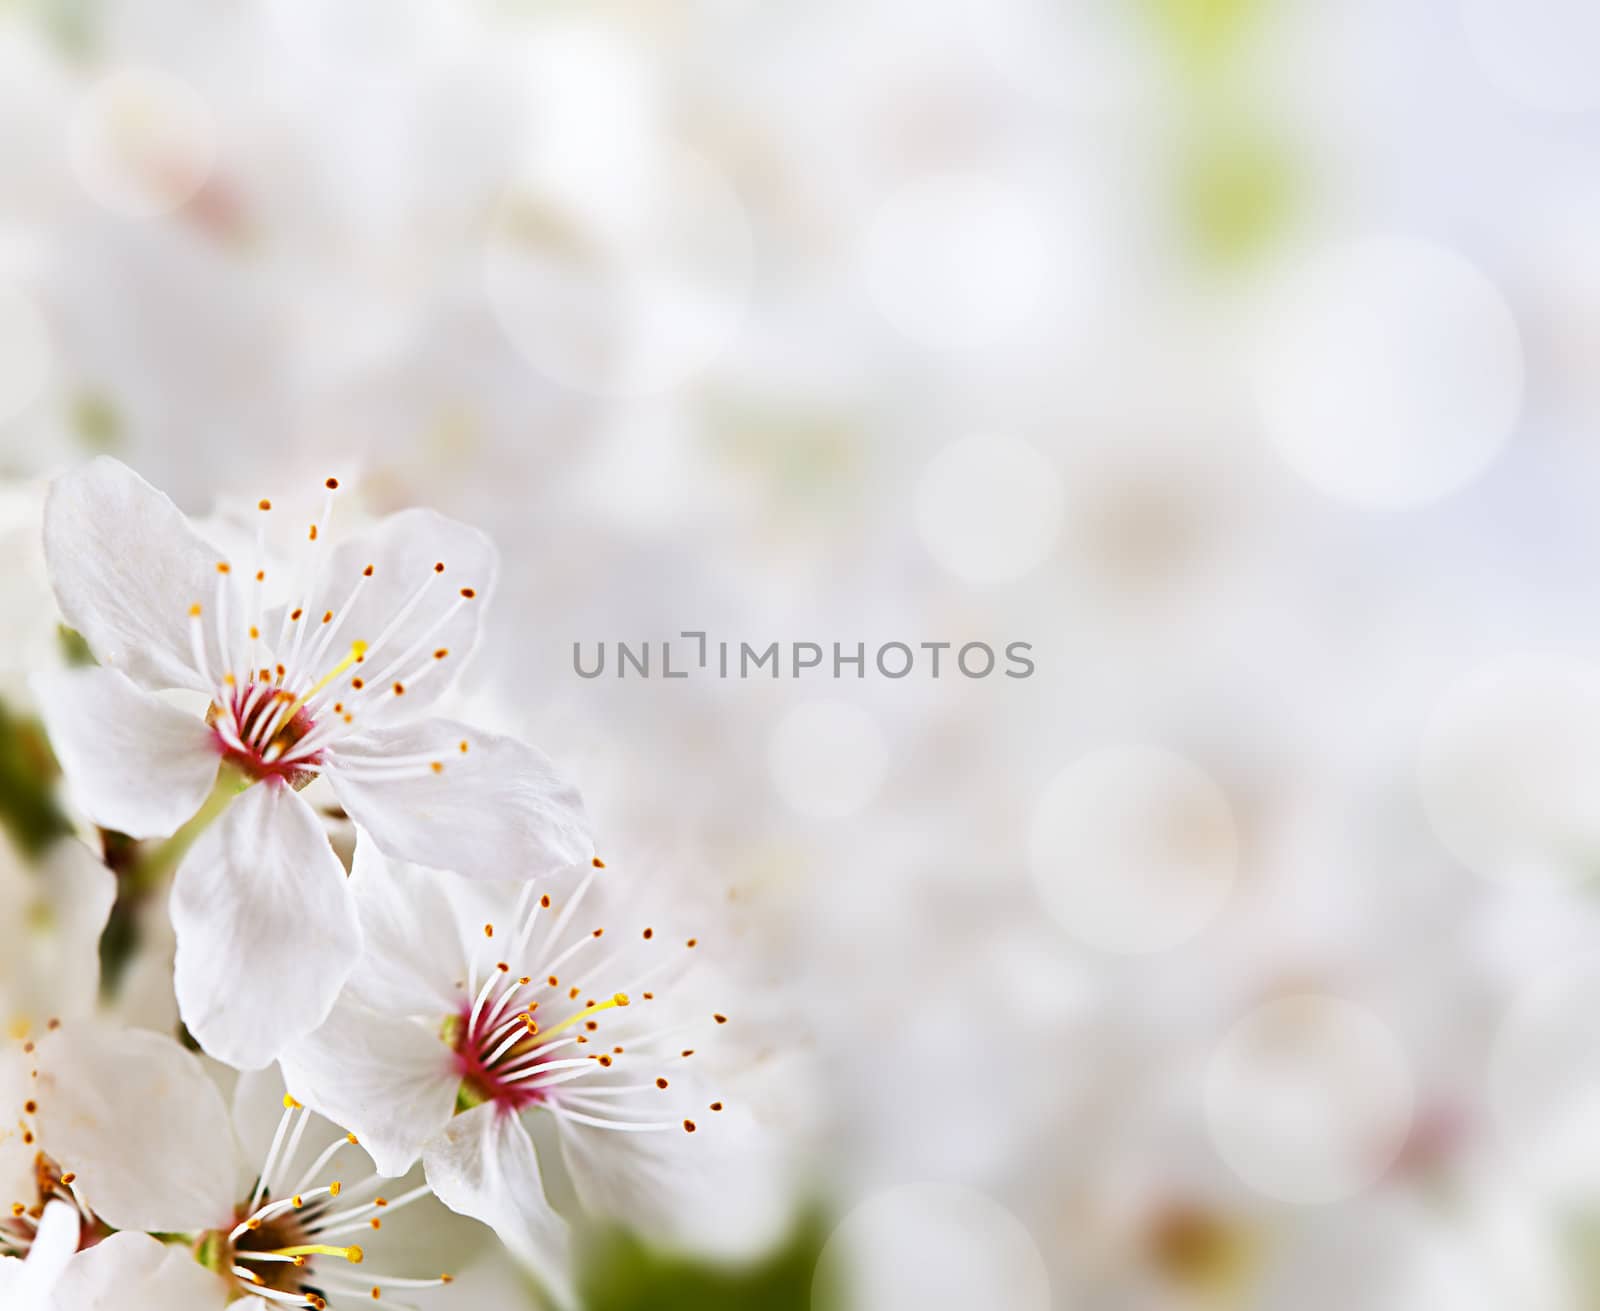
pixel 1239 354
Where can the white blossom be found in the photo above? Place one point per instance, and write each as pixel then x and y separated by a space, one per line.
pixel 479 1007
pixel 326 674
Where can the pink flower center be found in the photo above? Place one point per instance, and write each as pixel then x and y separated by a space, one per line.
pixel 504 1056
pixel 499 1059
pixel 257 728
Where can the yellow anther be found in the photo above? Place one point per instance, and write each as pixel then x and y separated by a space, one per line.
pixel 621 999
pixel 352 1254
pixel 358 653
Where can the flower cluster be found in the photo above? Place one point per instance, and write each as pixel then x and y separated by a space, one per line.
pixel 403 1011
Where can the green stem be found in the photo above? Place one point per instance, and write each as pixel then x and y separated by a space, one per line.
pixel 155 866
pixel 144 869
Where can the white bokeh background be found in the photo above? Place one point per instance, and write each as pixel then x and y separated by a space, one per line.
pixel 1239 356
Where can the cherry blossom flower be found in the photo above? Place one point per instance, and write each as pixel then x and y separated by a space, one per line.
pixel 154 1148
pixel 122 1102
pixel 44 1267
pixel 325 673
pixel 49 969
pixel 102 1118
pixel 479 1007
pixel 310 1230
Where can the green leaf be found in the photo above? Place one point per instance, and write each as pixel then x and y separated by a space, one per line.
pixel 28 773
pixel 620 1273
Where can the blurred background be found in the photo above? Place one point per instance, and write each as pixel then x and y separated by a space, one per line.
pixel 1235 354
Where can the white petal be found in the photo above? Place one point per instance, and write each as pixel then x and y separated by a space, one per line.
pixel 144 996
pixel 134 1272
pixel 15 1290
pixel 483 1165
pixel 33 639
pixel 267 930
pixel 389 1081
pixel 141 1124
pixel 17 1177
pixel 498 811
pixel 126 567
pixel 257 1109
pixel 49 937
pixel 718 1191
pixel 133 762
pixel 53 1246
pixel 403 551
pixel 80 894
pixel 413 958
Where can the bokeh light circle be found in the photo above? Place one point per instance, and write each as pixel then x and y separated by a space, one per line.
pixel 1541 53
pixel 1133 849
pixel 1082 58
pixel 142 143
pixel 1507 769
pixel 827 758
pixel 989 509
pixel 27 354
pixel 1388 372
pixel 959 261
pixel 623 309
pixel 930 1247
pixel 1544 1082
pixel 1309 1099
pixel 364 47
